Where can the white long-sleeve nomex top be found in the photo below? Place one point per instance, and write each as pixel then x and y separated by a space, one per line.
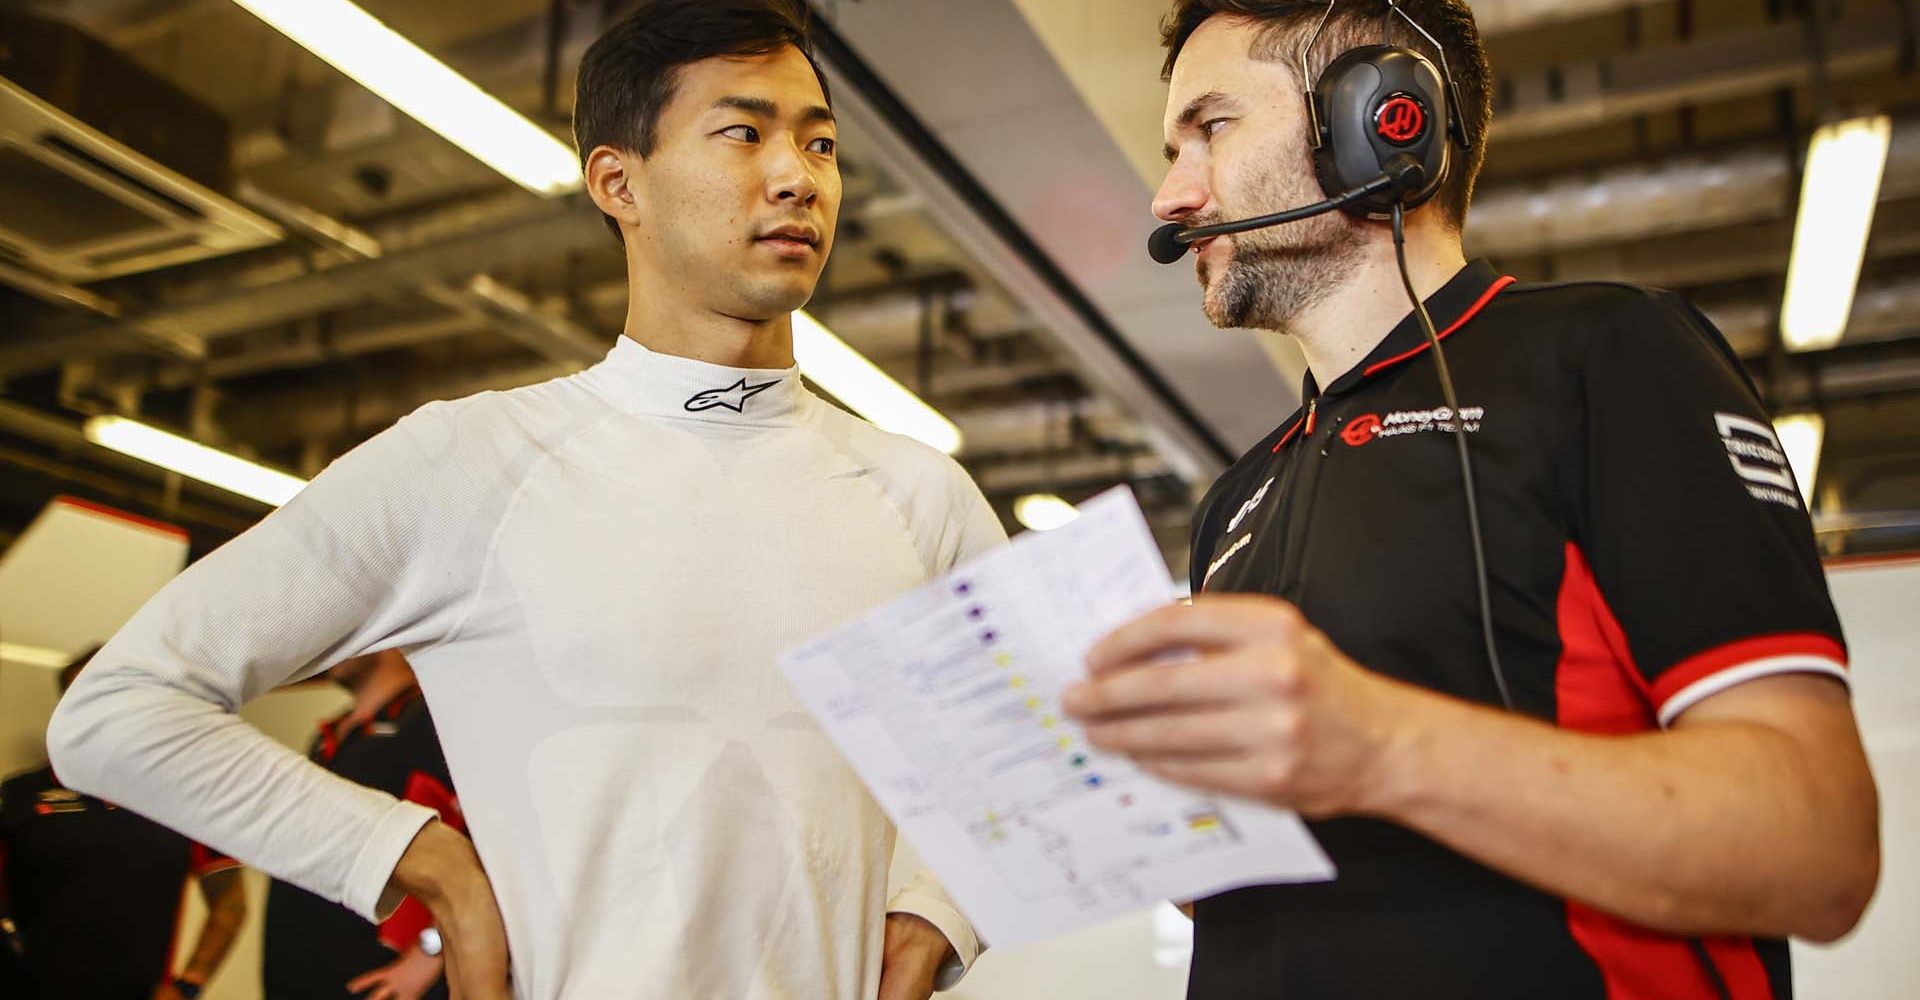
pixel 592 577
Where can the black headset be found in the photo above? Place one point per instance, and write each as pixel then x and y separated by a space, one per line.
pixel 1374 104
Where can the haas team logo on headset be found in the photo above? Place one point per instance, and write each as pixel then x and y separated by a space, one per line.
pixel 1401 119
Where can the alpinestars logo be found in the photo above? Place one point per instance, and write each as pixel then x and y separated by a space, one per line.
pixel 1367 427
pixel 1758 458
pixel 733 397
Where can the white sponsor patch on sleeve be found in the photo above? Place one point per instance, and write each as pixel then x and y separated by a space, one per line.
pixel 1757 457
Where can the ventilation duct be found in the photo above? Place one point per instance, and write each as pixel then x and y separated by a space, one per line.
pixel 106 170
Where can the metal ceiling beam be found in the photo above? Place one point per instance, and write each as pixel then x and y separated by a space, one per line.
pixel 1040 426
pixel 310 346
pixel 544 331
pixel 65 436
pixel 1615 87
pixel 1678 194
pixel 329 410
pixel 1067 472
pixel 1501 17
pixel 1708 256
pixel 55 292
pixel 952 378
pixel 543 230
pixel 1883 308
pixel 126 22
pixel 332 408
pixel 1846 372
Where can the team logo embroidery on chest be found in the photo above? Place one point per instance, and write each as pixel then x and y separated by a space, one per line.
pixel 1232 550
pixel 733 397
pixel 1369 427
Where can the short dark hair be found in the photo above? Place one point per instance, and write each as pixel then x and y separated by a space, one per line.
pixel 1351 24
pixel 628 75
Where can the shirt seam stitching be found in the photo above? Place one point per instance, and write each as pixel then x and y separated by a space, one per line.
pixel 487 562
pixel 818 421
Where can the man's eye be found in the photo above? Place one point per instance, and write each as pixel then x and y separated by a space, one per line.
pixel 744 133
pixel 823 146
pixel 1211 127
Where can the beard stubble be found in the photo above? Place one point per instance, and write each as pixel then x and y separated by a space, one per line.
pixel 1273 275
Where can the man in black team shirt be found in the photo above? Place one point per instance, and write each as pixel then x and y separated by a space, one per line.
pixel 1679 784
pixel 320 950
pixel 90 896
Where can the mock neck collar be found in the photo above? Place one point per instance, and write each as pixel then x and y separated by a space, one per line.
pixel 639 380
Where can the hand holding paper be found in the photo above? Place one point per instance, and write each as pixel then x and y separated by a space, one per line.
pixel 1266 708
pixel 947 703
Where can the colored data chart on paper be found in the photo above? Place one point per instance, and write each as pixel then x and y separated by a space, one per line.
pixel 947 702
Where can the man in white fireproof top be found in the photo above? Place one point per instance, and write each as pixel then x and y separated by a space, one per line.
pixel 592 578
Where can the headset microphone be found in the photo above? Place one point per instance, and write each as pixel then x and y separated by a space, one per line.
pixel 1402 175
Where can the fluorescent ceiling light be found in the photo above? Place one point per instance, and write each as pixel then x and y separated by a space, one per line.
pixel 867 390
pixel 193 459
pixel 1801 435
pixel 382 60
pixel 33 656
pixel 1043 511
pixel 1837 199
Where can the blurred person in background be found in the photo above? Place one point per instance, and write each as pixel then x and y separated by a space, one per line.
pixel 91 895
pixel 316 949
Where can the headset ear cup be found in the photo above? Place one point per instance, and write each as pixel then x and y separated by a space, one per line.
pixel 1377 102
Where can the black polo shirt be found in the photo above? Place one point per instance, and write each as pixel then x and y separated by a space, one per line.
pixel 1646 547
pixel 95 891
pixel 313 946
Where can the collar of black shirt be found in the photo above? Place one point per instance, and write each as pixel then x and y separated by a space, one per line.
pixel 1457 302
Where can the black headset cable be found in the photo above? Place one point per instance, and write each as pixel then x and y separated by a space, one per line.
pixel 1466 462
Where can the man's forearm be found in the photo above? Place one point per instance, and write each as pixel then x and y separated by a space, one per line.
pixel 1718 827
pixel 441 869
pixel 226 912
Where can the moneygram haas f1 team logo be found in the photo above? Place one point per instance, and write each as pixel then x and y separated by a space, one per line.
pixel 1361 429
pixel 1369 427
pixel 1401 119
